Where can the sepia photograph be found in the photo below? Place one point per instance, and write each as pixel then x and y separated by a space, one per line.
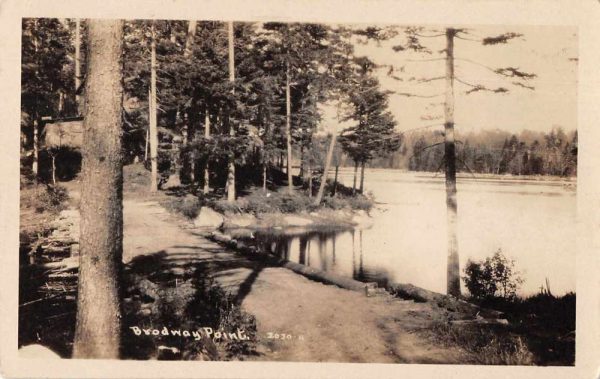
pixel 309 192
pixel 300 189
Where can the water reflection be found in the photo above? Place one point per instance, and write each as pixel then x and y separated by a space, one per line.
pixel 337 251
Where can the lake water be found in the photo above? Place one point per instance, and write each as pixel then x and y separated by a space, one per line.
pixel 533 222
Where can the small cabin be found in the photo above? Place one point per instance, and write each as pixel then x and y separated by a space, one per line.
pixel 63 132
pixel 61 140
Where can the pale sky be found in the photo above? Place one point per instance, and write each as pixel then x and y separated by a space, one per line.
pixel 547 51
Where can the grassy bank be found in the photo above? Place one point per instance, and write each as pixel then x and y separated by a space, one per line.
pixel 540 331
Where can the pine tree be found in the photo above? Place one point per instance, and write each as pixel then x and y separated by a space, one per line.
pixel 519 78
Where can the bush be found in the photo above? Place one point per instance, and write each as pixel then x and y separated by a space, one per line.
pixel 292 203
pixel 225 206
pixel 189 206
pixel 257 201
pixel 334 203
pixel 360 202
pixel 45 198
pixel 493 278
pixel 260 202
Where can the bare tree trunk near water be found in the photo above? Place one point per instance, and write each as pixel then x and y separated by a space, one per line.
pixel 98 325
pixel 335 179
pixel 325 170
pixel 453 269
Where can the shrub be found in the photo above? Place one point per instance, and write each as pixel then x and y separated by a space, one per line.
pixel 45 198
pixel 292 203
pixel 259 202
pixel 189 206
pixel 225 206
pixel 334 203
pixel 493 278
pixel 360 202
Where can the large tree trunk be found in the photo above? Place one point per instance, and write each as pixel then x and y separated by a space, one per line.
pixel 231 165
pixel 288 128
pixel 98 326
pixel 153 122
pixel 453 274
pixel 326 170
pixel 206 188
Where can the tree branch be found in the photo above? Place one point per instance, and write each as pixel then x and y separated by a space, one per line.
pixel 479 87
pixel 523 85
pixel 426 147
pixel 514 72
pixel 426 80
pixel 502 38
pixel 468 39
pixel 406 94
pixel 428 36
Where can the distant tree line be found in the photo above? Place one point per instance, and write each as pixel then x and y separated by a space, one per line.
pixel 490 152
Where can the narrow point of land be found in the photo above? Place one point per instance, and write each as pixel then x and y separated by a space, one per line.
pixel 324 322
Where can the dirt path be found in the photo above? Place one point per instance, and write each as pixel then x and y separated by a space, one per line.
pixel 322 322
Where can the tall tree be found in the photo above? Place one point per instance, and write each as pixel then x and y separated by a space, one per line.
pixel 98 326
pixel 231 163
pixel 373 134
pixel 188 135
pixel 77 62
pixel 328 157
pixel 517 77
pixel 152 110
pixel 453 267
